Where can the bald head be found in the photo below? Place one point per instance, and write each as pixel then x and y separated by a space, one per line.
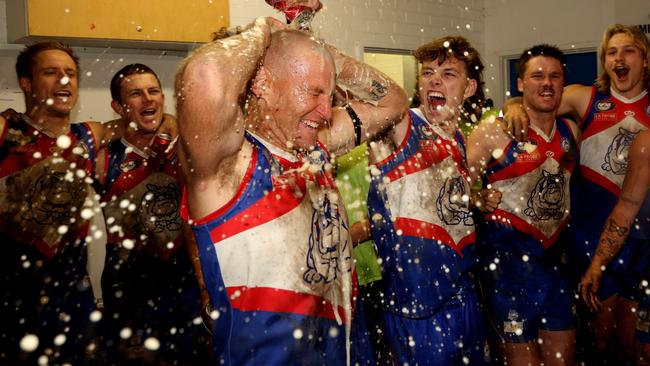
pixel 290 48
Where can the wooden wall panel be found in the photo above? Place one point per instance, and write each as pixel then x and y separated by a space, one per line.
pixel 135 20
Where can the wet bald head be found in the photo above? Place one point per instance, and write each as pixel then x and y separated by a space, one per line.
pixel 290 48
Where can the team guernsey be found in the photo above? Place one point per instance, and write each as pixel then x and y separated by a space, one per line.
pixel 277 263
pixel 608 128
pixel 148 281
pixel 45 196
pixel 609 125
pixel 520 246
pixel 424 231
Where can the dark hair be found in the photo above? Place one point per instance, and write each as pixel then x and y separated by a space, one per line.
pixel 26 58
pixel 459 48
pixel 132 69
pixel 539 50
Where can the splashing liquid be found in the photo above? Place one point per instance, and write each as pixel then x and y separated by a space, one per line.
pixel 298 17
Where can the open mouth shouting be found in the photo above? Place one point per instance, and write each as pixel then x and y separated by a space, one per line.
pixel 62 95
pixel 621 71
pixel 436 100
pixel 148 112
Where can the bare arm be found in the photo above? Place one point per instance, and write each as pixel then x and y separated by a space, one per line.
pixel 374 97
pixel 620 221
pixel 482 143
pixel 360 231
pixel 209 87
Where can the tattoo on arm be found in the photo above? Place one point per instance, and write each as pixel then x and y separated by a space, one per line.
pixel 611 240
pixel 378 90
pixel 612 226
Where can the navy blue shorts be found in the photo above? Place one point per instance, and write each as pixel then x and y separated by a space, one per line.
pixel 519 311
pixel 624 274
pixel 455 335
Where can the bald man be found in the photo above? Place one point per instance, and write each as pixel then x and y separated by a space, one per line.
pixel 273 237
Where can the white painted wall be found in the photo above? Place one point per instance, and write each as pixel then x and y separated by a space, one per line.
pixel 514 25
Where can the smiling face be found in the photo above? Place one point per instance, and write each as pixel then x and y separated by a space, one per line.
pixel 542 84
pixel 443 88
pixel 142 101
pixel 625 65
pixel 53 86
pixel 297 91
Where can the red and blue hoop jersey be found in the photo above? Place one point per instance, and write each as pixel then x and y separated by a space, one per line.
pixel 141 200
pixel 609 125
pixel 45 202
pixel 420 219
pixel 277 263
pixel 149 285
pixel 534 178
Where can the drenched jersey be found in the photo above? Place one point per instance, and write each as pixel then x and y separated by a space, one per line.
pixel 277 263
pixel 608 128
pixel 420 219
pixel 44 185
pixel 45 203
pixel 534 178
pixel 142 201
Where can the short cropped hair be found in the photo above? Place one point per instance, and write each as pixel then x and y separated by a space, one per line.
pixel 132 69
pixel 27 57
pixel 543 49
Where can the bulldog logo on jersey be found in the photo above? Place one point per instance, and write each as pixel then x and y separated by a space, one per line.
pixel 546 201
pixel 451 207
pixel 159 209
pixel 328 241
pixel 616 157
pixel 51 198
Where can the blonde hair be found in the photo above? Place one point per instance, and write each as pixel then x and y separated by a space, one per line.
pixel 640 40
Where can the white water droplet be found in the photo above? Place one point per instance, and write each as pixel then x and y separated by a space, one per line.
pixel 65 80
pixel 29 343
pixel 49 101
pixel 59 340
pixel 126 333
pixel 297 333
pixel 128 244
pixel 152 344
pixel 95 316
pixel 63 141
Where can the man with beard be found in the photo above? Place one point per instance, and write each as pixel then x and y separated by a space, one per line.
pixel 273 239
pixel 611 112
pixel 45 210
pixel 420 216
pixel 527 290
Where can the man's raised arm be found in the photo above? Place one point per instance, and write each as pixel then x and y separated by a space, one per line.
pixel 376 100
pixel 210 87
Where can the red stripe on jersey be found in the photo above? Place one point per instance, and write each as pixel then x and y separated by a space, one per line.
pixel 282 199
pixel 600 180
pixel 282 301
pixel 220 211
pixel 427 230
pixel 518 223
pixel 528 162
